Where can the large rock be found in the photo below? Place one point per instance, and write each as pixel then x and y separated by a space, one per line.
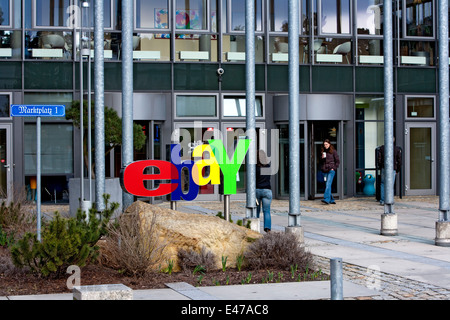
pixel 193 231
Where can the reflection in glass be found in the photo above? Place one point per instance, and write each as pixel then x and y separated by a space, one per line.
pixel 196 47
pixel 152 47
pixel 48 45
pixel 152 14
pixel 335 16
pixel 196 106
pixel 4 13
pixel 418 107
pixel 191 15
pixel 369 17
pixel 4 105
pixel 419 18
pixel 417 52
pixel 233 46
pixel 238 15
pixel 236 107
pixel 370 51
pixel 10 44
pixel 51 13
pixel 279 15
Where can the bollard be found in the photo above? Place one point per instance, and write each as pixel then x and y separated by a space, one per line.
pixel 227 207
pixel 336 279
pixel 173 205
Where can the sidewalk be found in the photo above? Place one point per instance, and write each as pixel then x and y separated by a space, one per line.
pixel 404 267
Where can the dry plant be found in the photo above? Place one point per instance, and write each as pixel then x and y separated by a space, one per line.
pixel 18 215
pixel 133 246
pixel 277 250
pixel 189 259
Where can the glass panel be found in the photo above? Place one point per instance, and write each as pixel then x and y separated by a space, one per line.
pixel 152 14
pixel 370 51
pixel 419 53
pixel 3 159
pixel 333 50
pixel 4 105
pixel 196 47
pixel 369 17
pixel 191 14
pixel 148 46
pixel 48 45
pixel 419 18
pixel 5 11
pixel 283 174
pixel 196 106
pixel 335 16
pixel 420 159
pixel 10 44
pixel 49 99
pixel 56 148
pixel 324 130
pixel 420 108
pixel 279 15
pixel 236 107
pixel 50 13
pixel 238 15
pixel 233 47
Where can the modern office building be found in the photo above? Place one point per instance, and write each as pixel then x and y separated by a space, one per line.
pixel 178 47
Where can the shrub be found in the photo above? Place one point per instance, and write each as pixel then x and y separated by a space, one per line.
pixel 64 242
pixel 277 250
pixel 189 259
pixel 132 246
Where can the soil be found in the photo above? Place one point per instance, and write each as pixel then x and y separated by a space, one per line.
pixel 14 281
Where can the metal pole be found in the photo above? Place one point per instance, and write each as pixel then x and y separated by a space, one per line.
pixel 38 176
pixel 99 83
pixel 444 158
pixel 227 207
pixel 127 91
pixel 294 118
pixel 250 106
pixel 389 218
pixel 89 146
pixel 337 291
pixel 81 109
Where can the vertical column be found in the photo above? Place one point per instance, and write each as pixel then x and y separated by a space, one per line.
pixel 250 112
pixel 99 112
pixel 389 218
pixel 127 91
pixel 443 224
pixel 294 122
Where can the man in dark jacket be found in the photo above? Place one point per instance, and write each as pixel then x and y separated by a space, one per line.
pixel 397 167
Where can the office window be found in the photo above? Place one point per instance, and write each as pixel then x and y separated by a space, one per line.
pixel 238 15
pixel 279 15
pixel 5 10
pixel 196 106
pixel 5 101
pixel 419 18
pixel 369 17
pixel 334 17
pixel 152 14
pixel 236 106
pixel 419 107
pixel 191 15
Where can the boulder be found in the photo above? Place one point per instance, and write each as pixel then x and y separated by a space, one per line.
pixel 190 231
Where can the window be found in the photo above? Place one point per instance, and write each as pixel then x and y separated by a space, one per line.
pixel 236 106
pixel 191 15
pixel 152 14
pixel 419 107
pixel 279 16
pixel 5 102
pixel 334 17
pixel 5 16
pixel 196 106
pixel 419 18
pixel 237 15
pixel 369 17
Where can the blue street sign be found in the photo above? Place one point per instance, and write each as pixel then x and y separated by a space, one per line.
pixel 20 110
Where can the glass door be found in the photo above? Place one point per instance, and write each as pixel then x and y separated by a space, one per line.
pixel 5 162
pixel 420 159
pixel 319 131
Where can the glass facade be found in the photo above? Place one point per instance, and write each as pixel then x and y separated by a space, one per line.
pixel 178 46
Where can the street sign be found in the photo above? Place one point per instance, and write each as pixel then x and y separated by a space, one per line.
pixel 20 110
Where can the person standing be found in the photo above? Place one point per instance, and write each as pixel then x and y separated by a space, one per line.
pixel 263 190
pixel 397 167
pixel 329 160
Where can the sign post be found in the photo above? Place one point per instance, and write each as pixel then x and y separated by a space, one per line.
pixel 38 111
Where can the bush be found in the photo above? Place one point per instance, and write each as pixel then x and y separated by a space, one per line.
pixel 277 250
pixel 64 242
pixel 131 246
pixel 189 259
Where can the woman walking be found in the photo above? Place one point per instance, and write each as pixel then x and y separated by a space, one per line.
pixel 329 163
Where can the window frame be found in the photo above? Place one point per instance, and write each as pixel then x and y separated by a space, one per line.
pixel 408 118
pixel 333 35
pixel 10 16
pixel 157 30
pixel 234 118
pixel 434 14
pixel 192 118
pixel 378 36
